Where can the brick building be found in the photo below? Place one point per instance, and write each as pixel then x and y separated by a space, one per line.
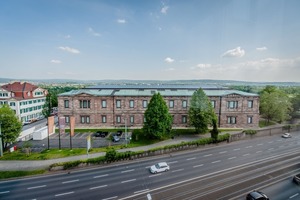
pixel 26 99
pixel 108 106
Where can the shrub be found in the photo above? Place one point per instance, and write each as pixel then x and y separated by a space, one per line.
pixel 72 164
pixel 250 132
pixel 111 154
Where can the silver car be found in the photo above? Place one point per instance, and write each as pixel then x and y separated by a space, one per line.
pixel 159 167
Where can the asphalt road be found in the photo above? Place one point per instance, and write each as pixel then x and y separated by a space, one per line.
pixel 133 180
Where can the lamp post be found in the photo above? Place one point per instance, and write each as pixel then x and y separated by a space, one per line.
pixel 1 147
pixel 125 131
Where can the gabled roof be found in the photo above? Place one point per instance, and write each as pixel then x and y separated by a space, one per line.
pixel 19 87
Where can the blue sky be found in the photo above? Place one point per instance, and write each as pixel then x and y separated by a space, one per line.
pixel 248 40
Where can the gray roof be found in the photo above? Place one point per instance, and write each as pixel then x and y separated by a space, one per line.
pixel 154 86
pixel 150 92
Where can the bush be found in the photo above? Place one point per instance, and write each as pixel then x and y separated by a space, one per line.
pixel 72 164
pixel 250 132
pixel 111 154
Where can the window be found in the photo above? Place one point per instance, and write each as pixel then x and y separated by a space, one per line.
pixel 118 103
pixel 67 119
pixel 232 104
pixel 145 103
pixel 103 118
pixel 12 104
pixel 118 119
pixel 85 119
pixel 184 103
pixel 184 119
pixel 171 103
pixel 85 103
pixel 231 120
pixel 144 119
pixel 66 103
pixel 250 119
pixel 131 103
pixel 250 103
pixel 213 103
pixel 103 103
pixel 131 119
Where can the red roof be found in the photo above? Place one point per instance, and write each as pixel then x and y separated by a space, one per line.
pixel 21 90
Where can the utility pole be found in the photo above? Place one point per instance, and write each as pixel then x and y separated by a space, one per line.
pixel 1 147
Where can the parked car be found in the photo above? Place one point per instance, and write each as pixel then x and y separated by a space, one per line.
pixel 100 134
pixel 286 135
pixel 26 122
pixel 256 195
pixel 115 138
pixel 119 133
pixel 296 179
pixel 159 167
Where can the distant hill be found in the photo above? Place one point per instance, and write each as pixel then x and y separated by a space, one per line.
pixel 124 81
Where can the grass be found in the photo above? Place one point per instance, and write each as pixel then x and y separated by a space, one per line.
pixel 265 123
pixel 13 174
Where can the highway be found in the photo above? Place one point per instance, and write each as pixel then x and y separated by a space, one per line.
pixel 227 171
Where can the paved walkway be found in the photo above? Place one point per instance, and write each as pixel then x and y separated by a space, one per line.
pixel 10 165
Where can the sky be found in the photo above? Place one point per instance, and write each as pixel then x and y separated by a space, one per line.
pixel 245 40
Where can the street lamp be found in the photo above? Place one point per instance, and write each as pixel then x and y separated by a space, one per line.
pixel 1 147
pixel 125 131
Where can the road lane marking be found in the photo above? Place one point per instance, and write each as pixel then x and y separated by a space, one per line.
pixel 177 170
pixel 141 191
pixel 198 166
pixel 173 162
pixel 222 152
pixel 259 144
pixel 207 155
pixel 57 195
pixel 231 158
pixel 270 142
pixel 236 149
pixel 294 195
pixel 281 146
pixel 130 170
pixel 4 192
pixel 248 147
pixel 128 181
pixel 40 186
pixel 270 149
pixel 101 186
pixel 101 176
pixel 216 161
pixel 70 181
pixel 247 154
pixel 110 198
pixel 191 158
pixel 154 175
pixel 258 151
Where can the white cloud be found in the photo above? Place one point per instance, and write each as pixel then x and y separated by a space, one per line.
pixel 70 50
pixel 170 69
pixel 164 9
pixel 55 61
pixel 261 48
pixel 237 52
pixel 202 66
pixel 68 36
pixel 121 21
pixel 169 60
pixel 94 33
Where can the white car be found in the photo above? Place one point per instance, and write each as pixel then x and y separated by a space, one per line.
pixel 286 135
pixel 159 167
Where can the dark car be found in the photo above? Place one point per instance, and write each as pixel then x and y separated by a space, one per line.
pixel 100 134
pixel 119 133
pixel 256 195
pixel 296 179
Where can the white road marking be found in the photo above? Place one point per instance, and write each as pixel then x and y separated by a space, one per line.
pixel 4 192
pixel 173 162
pixel 270 142
pixel 198 166
pixel 259 144
pixel 231 158
pixel 70 181
pixel 128 181
pixel 191 158
pixel 57 195
pixel 130 170
pixel 294 195
pixel 247 154
pixel 270 149
pixel 178 170
pixel 236 149
pixel 101 176
pixel 111 198
pixel 258 151
pixel 207 155
pixel 216 161
pixel 40 186
pixel 154 175
pixel 141 191
pixel 101 186
pixel 281 146
pixel 248 147
pixel 222 152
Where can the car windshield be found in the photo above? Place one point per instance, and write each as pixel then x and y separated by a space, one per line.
pixel 157 166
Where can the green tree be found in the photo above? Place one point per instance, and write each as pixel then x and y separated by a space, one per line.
pixel 296 105
pixel 158 122
pixel 47 106
pixel 201 112
pixel 11 126
pixel 275 105
pixel 214 132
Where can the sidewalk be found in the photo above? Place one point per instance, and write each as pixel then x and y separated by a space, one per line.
pixel 12 165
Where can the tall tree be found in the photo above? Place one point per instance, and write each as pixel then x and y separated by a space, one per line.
pixel 47 106
pixel 158 122
pixel 296 105
pixel 11 126
pixel 275 105
pixel 201 111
